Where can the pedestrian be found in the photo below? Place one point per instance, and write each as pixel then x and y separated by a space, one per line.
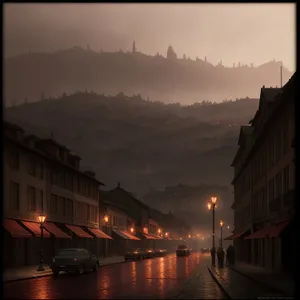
pixel 213 256
pixel 220 255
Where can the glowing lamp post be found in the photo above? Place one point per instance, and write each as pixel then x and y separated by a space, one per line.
pixel 132 230
pixel 159 232
pixel 42 219
pixel 211 206
pixel 106 219
pixel 221 226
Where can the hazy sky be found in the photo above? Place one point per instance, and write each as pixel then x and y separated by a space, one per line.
pixel 229 32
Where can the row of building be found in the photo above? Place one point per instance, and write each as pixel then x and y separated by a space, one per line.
pixel 264 182
pixel 43 177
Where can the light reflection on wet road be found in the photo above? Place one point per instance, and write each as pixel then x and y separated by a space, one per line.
pixel 154 278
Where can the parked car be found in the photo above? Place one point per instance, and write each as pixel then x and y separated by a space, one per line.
pixel 74 260
pixel 134 254
pixel 160 252
pixel 148 253
pixel 183 250
pixel 204 250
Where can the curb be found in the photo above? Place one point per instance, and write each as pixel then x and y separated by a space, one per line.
pixel 218 282
pixel 261 283
pixel 50 273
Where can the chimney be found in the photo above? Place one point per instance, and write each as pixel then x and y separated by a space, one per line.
pixel 263 87
pixel 119 185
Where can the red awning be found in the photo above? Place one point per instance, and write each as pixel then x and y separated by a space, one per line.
pixel 229 238
pixel 149 237
pixel 156 237
pixel 79 231
pixel 99 234
pixel 276 230
pixel 125 235
pixel 57 232
pixel 15 229
pixel 36 229
pixel 236 236
pixel 259 234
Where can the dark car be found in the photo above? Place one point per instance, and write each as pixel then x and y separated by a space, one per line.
pixel 183 250
pixel 134 254
pixel 160 252
pixel 148 253
pixel 204 250
pixel 74 260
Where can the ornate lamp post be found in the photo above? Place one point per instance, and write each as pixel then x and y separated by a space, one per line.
pixel 42 219
pixel 211 206
pixel 221 225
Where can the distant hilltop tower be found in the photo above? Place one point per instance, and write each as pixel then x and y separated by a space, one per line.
pixel 133 47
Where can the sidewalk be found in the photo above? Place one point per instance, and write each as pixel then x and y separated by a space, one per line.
pixel 238 286
pixel 31 271
pixel 283 282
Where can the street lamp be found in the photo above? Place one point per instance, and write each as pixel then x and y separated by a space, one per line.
pixel 106 219
pixel 211 206
pixel 166 234
pixel 42 219
pixel 221 225
pixel 228 227
pixel 131 229
pixel 189 236
pixel 159 231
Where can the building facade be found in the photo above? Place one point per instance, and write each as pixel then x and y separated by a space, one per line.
pixel 43 177
pixel 264 182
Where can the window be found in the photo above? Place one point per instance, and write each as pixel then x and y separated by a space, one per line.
pixel 41 201
pixel 63 179
pixel 31 198
pixel 63 206
pixel 53 204
pixel 278 185
pixel 41 171
pixel 69 208
pixel 286 179
pixel 32 167
pixel 88 212
pixel 285 137
pixel 14 196
pixel 13 159
pixel 271 189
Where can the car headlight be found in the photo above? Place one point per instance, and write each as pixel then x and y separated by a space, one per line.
pixel 53 260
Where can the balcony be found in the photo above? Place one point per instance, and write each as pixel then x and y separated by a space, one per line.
pixel 275 204
pixel 288 199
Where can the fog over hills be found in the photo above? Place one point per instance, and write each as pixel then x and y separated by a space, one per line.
pixel 169 80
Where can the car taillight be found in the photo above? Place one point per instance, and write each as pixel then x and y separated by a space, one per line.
pixel 75 259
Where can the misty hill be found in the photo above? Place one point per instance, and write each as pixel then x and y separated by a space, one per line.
pixel 144 145
pixel 189 202
pixel 167 80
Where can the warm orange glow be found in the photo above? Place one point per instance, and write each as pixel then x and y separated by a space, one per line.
pixel 209 206
pixel 221 223
pixel 213 200
pixel 106 218
pixel 131 229
pixel 189 236
pixel 228 227
pixel 42 218
pixel 198 235
pixel 167 233
pixel 145 229
pixel 159 230
pixel 181 238
pixel 203 238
